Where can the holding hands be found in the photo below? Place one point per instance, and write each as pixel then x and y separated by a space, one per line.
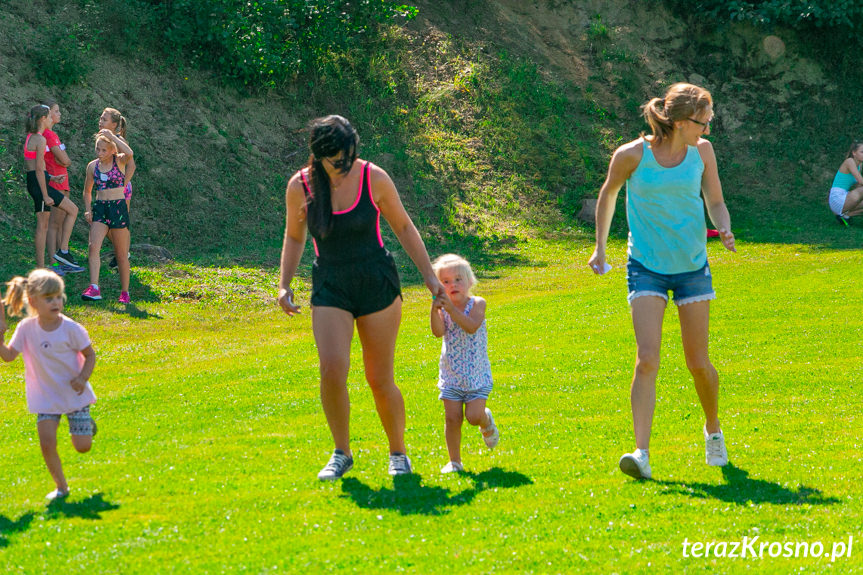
pixel 434 286
pixel 440 302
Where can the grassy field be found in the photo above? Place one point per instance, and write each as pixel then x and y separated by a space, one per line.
pixel 211 432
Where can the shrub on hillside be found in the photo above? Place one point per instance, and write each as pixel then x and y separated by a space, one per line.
pixel 837 14
pixel 60 62
pixel 269 42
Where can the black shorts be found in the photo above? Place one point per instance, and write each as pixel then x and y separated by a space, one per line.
pixel 112 213
pixel 35 192
pixel 360 288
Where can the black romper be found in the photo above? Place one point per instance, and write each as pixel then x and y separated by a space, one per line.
pixel 353 270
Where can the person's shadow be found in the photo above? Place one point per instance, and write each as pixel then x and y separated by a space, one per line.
pixel 90 508
pixel 134 311
pixel 739 488
pixel 409 496
pixel 9 527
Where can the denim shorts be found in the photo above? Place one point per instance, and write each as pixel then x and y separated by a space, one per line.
pixel 80 422
pixel 687 287
pixel 464 395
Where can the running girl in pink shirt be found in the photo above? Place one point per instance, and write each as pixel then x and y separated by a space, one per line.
pixel 58 361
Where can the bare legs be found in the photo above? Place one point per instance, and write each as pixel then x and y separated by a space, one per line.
pixel 98 231
pixel 333 329
pixel 647 315
pixel 120 237
pixel 60 226
pixel 853 202
pixel 48 442
pixel 474 412
pixel 42 221
pixel 694 323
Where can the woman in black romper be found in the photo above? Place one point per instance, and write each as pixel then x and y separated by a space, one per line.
pixel 339 198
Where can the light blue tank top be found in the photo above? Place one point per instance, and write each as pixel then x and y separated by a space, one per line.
pixel 844 181
pixel 667 233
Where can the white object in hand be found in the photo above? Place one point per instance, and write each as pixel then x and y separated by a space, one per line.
pixel 606 267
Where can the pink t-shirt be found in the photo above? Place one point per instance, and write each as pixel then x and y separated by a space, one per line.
pixel 51 360
pixel 51 165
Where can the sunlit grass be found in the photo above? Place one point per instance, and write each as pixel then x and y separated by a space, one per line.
pixel 211 434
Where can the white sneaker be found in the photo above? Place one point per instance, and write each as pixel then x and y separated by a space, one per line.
pixel 400 464
pixel 714 449
pixel 452 467
pixel 490 440
pixel 57 494
pixel 636 464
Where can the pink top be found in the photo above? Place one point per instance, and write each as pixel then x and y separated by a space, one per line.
pixel 51 360
pixel 51 165
pixel 31 154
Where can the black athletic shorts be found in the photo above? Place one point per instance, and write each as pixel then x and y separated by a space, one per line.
pixel 35 192
pixel 112 213
pixel 361 287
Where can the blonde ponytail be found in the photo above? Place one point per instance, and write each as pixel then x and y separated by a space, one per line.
pixel 38 282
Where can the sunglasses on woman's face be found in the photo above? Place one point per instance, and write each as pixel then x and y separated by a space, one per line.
pixel 340 164
pixel 704 125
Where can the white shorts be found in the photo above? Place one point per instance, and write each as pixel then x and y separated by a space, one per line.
pixel 837 200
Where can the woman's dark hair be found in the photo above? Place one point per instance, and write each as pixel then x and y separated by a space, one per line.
pixel 328 136
pixel 854 145
pixel 36 114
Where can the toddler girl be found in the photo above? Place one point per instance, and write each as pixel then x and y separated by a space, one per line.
pixel 58 361
pixel 465 372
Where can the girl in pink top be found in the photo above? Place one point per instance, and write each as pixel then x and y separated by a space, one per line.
pixel 58 361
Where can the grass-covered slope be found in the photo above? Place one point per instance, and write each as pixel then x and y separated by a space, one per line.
pixel 495 118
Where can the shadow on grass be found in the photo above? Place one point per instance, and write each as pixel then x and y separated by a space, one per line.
pixel 9 527
pixel 740 489
pixel 410 497
pixel 90 508
pixel 134 311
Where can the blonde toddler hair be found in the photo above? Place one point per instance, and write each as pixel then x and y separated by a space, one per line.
pixel 457 263
pixel 38 282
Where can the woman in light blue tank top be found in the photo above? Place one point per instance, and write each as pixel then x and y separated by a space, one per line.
pixel 665 176
pixel 846 192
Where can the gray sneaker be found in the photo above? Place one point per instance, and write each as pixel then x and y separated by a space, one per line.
pixel 338 465
pixel 636 464
pixel 714 449
pixel 400 464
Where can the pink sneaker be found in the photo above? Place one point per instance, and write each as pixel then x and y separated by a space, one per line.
pixel 91 294
pixel 124 297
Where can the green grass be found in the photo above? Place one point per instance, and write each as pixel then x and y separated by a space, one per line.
pixel 211 433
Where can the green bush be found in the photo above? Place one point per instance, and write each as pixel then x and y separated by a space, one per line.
pixel 836 14
pixel 60 62
pixel 267 43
